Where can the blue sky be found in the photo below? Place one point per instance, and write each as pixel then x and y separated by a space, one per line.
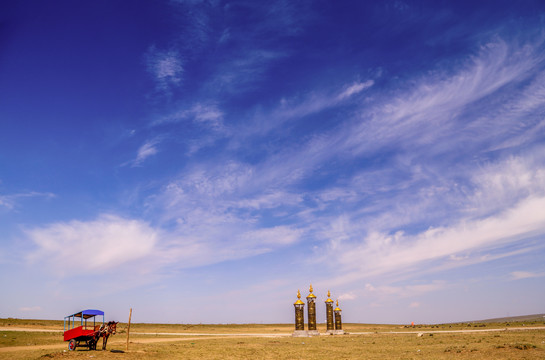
pixel 200 161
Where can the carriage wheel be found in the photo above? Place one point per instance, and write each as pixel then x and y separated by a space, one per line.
pixel 72 345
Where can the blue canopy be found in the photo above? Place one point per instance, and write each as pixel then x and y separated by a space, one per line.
pixel 86 314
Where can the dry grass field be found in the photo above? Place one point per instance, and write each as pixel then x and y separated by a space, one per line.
pixel 149 341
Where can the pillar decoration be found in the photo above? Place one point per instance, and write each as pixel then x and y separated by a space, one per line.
pixel 311 302
pixel 338 321
pixel 299 317
pixel 329 313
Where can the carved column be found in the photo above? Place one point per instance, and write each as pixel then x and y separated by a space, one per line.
pixel 338 321
pixel 311 302
pixel 329 313
pixel 299 317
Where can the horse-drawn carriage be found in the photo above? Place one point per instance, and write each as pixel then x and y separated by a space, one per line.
pixel 86 333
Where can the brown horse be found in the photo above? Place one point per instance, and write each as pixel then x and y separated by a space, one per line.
pixel 105 331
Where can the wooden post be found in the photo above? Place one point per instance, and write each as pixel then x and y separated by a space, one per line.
pixel 128 329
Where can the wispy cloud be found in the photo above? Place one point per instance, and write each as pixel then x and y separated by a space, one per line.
pixel 519 275
pixel 30 308
pixel 165 67
pixel 211 116
pixel 208 116
pixel 369 217
pixel 380 253
pixel 146 150
pixel 347 296
pixel 445 108
pixel 214 215
pixel 277 235
pixel 355 89
pixel 488 206
pixel 382 292
pixel 250 45
pixel 9 201
pixel 474 206
pixel 77 247
pixel 244 72
pixel 297 108
pixel 203 218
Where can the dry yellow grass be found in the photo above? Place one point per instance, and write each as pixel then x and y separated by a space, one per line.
pixel 377 343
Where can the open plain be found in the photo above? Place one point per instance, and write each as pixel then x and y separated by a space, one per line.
pixel 42 339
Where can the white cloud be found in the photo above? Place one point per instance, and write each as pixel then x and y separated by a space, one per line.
pixel 149 148
pixel 209 115
pixel 402 291
pixel 277 235
pixel 433 109
pixel 218 205
pixel 242 73
pixel 491 216
pixel 145 151
pixel 355 89
pixel 383 253
pixel 213 196
pixel 10 201
pixel 416 186
pixel 205 116
pixel 91 247
pixel 166 68
pixel 30 308
pixel 296 108
pixel 347 296
pixel 517 114
pixel 269 200
pixel 475 205
pixel 220 239
pixel 518 275
pixel 502 184
pixel 6 202
pixel 215 211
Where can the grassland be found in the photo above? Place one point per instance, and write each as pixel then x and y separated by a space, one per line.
pixel 365 341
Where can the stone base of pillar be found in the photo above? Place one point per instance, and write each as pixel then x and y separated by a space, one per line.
pixel 337 332
pixel 330 332
pixel 300 333
pixel 313 333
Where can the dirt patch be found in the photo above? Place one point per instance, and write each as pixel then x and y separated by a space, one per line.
pixel 32 347
pixel 115 342
pixel 28 329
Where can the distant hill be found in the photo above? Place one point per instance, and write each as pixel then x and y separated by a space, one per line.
pixel 535 317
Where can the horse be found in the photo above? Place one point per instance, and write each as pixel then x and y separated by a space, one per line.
pixel 105 331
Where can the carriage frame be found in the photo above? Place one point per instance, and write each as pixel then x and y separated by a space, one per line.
pixel 84 333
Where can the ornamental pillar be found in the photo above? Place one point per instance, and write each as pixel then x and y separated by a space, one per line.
pixel 299 317
pixel 311 302
pixel 329 313
pixel 338 322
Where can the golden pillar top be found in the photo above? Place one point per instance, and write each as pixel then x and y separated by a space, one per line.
pixel 337 308
pixel 328 297
pixel 298 302
pixel 311 295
